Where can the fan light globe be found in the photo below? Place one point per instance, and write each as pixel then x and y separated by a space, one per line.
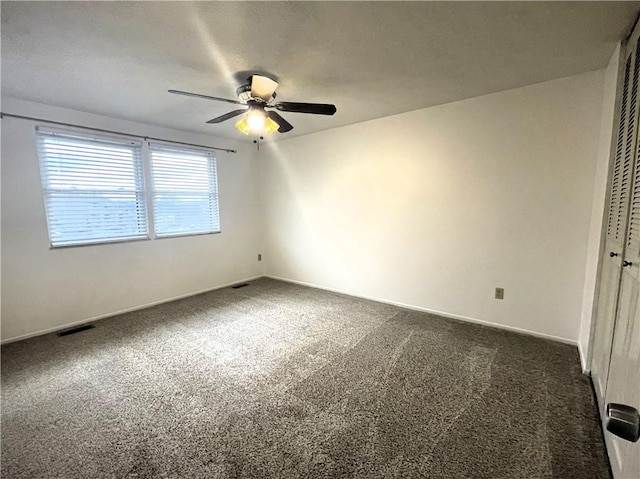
pixel 255 120
pixel 270 126
pixel 243 126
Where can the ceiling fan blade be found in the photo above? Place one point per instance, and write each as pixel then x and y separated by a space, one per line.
pixel 285 126
pixel 315 108
pixel 263 87
pixel 226 116
pixel 206 97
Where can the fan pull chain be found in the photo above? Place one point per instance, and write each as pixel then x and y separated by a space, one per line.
pixel 257 142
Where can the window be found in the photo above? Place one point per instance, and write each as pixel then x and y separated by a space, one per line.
pixel 185 197
pixel 93 188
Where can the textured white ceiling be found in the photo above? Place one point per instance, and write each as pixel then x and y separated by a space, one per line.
pixel 371 59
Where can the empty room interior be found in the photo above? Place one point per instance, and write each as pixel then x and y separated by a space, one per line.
pixel 320 239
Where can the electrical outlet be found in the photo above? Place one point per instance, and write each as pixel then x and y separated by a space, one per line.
pixel 259 257
pixel 499 293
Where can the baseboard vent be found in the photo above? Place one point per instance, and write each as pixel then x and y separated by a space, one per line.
pixel 238 286
pixel 79 329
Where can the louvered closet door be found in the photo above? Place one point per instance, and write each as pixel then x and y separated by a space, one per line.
pixel 623 382
pixel 619 200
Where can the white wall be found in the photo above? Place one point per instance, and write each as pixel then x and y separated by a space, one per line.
pixel 432 209
pixel 596 231
pixel 45 289
pixel 437 207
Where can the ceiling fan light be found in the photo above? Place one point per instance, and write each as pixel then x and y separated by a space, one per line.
pixel 243 125
pixel 270 126
pixel 256 120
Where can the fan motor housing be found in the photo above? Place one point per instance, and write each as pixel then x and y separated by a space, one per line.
pixel 244 94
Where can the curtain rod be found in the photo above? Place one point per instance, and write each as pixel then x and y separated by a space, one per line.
pixel 21 117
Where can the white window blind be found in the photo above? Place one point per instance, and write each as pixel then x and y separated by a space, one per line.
pixel 185 191
pixel 93 188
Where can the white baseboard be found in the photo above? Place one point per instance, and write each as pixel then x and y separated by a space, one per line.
pixel 467 319
pixel 122 311
pixel 303 283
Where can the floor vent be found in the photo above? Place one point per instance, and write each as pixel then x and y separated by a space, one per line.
pixel 79 329
pixel 238 286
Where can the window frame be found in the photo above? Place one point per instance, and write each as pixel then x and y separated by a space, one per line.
pixel 143 176
pixel 212 192
pixel 42 132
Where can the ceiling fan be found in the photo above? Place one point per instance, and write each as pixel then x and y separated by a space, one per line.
pixel 257 98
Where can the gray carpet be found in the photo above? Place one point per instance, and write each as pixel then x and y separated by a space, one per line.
pixel 276 380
